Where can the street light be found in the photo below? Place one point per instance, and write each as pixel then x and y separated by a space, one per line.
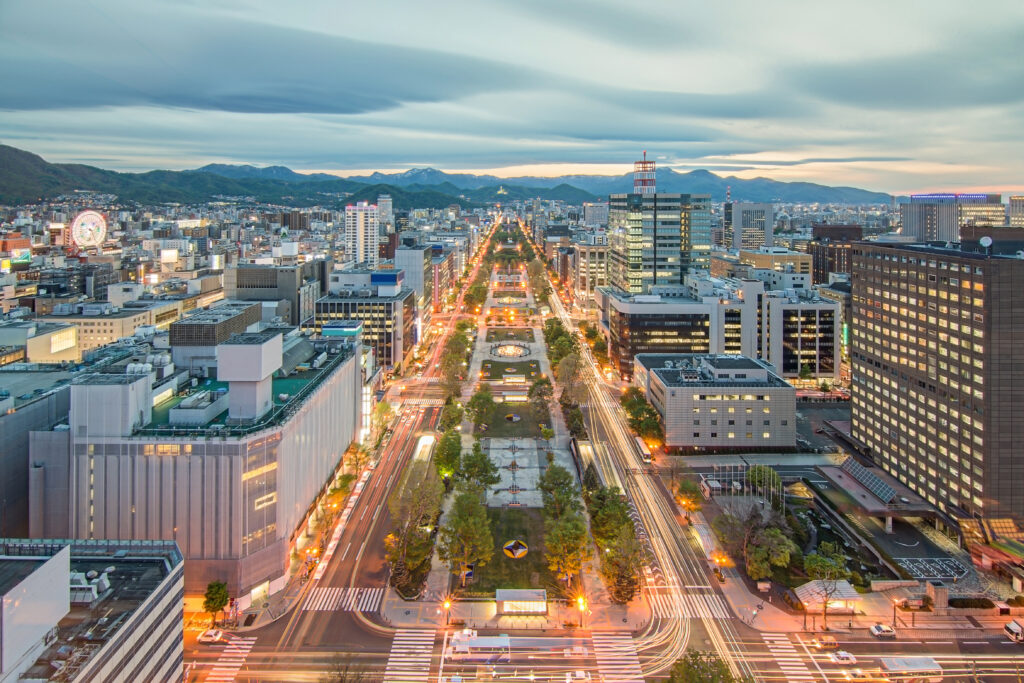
pixel 447 611
pixel 894 603
pixel 581 603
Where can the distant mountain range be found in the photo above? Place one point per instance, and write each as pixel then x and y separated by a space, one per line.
pixel 668 180
pixel 27 178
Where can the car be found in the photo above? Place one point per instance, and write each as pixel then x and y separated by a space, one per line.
pixel 842 657
pixel 213 635
pixel 819 430
pixel 824 643
pixel 882 631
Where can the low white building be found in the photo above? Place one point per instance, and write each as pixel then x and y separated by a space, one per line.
pixel 718 402
pixel 92 611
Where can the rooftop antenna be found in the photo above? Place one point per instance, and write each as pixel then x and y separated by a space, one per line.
pixel 728 193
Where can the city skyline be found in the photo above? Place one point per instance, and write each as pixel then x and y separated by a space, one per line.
pixel 875 96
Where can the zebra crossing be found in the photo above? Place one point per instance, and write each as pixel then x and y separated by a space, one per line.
pixel 617 659
pixel 231 659
pixel 666 605
pixel 329 599
pixel 411 652
pixel 424 402
pixel 787 658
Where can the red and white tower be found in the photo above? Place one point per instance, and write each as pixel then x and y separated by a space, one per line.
pixel 643 176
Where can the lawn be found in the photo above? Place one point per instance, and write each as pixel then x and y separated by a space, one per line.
pixel 528 426
pixel 500 334
pixel 526 525
pixel 494 370
pixel 512 293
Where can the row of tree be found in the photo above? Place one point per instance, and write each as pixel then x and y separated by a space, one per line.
pixel 621 554
pixel 563 353
pixel 565 531
pixel 641 415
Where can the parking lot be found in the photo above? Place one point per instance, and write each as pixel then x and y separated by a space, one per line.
pixel 811 417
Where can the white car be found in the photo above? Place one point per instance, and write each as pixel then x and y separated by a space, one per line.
pixel 213 635
pixel 882 631
pixel 842 657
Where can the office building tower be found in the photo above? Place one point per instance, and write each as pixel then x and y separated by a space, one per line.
pixel 362 225
pixel 938 371
pixel 1016 211
pixel 776 258
pixel 595 214
pixel 656 239
pixel 938 217
pixel 830 249
pixel 386 214
pixel 384 303
pixel 747 225
pixel 416 262
pixel 298 286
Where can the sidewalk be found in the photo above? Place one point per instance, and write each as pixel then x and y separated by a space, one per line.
pixel 482 614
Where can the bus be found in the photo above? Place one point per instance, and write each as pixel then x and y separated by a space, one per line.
pixel 911 669
pixel 466 646
pixel 645 452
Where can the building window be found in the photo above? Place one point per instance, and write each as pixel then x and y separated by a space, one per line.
pixel 766 435
pixel 696 435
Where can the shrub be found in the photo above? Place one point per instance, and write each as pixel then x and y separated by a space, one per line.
pixel 971 603
pixel 1016 601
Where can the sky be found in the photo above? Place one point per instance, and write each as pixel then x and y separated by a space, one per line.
pixel 890 96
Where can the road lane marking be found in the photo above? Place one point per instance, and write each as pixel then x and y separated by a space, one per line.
pixel 345 554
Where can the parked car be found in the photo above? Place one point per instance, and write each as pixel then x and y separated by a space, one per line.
pixel 213 635
pixel 883 631
pixel 842 657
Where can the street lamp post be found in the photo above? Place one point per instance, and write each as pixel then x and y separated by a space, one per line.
pixel 581 603
pixel 894 603
pixel 447 612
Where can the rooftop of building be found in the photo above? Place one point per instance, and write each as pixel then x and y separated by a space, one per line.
pixel 13 572
pixel 252 338
pixel 403 293
pixel 688 369
pixel 40 326
pixel 288 392
pixel 951 251
pixel 113 312
pixel 224 310
pixel 134 570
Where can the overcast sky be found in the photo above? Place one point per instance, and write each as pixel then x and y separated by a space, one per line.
pixel 894 96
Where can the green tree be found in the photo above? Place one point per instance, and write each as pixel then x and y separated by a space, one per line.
pixel 481 405
pixel 620 565
pixel 215 599
pixel 547 434
pixel 540 395
pixel 633 402
pixel 574 421
pixel 383 413
pixel 609 514
pixel 806 371
pixel 701 667
pixel 560 348
pixel 451 416
pixel 448 454
pixel 769 548
pixel 466 537
pixel 558 491
pixel 566 545
pixel 452 375
pixel 591 480
pixel 736 533
pixel 648 426
pixel 479 469
pixel 414 505
pixel 827 564
pixel 764 478
pixel 689 491
pixel 569 373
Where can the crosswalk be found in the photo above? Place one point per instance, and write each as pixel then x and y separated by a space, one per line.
pixel 231 659
pixel 411 651
pixel 788 659
pixel 330 599
pixel 424 402
pixel 617 659
pixel 666 605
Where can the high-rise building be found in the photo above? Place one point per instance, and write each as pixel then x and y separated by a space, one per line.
pixel 1016 211
pixel 938 371
pixel 595 214
pixel 830 249
pixel 362 224
pixel 655 239
pixel 938 217
pixel 747 225
pixel 386 212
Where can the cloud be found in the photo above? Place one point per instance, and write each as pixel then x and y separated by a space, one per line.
pixel 965 72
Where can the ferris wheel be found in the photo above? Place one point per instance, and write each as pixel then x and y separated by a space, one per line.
pixel 89 229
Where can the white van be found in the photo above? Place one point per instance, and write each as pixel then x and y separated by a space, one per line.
pixel 1014 631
